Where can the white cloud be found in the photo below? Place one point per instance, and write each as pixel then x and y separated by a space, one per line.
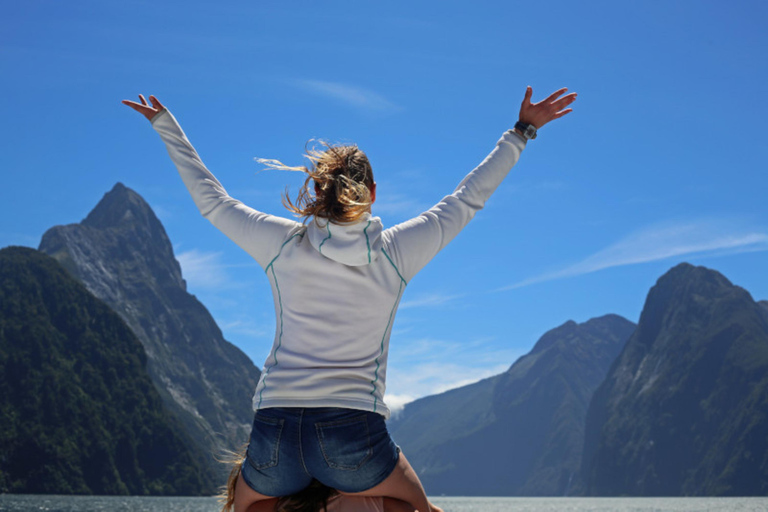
pixel 429 300
pixel 418 381
pixel 354 96
pixel 427 366
pixel 713 237
pixel 248 328
pixel 397 402
pixel 162 213
pixel 203 270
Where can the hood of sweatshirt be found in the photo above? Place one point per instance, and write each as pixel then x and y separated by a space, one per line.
pixel 353 244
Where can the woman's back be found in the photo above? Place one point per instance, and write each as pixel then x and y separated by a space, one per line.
pixel 335 293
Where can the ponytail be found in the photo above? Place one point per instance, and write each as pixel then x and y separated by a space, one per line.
pixel 342 179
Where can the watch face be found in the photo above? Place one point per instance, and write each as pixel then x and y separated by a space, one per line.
pixel 530 131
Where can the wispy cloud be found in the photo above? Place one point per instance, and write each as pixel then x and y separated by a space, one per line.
pixel 426 366
pixel 351 95
pixel 397 402
pixel 202 269
pixel 205 270
pixel 712 237
pixel 432 379
pixel 247 327
pixel 399 205
pixel 430 300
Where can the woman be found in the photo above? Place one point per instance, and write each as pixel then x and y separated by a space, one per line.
pixel 336 283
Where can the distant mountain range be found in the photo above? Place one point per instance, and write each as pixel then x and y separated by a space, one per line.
pixel 142 400
pixel 521 432
pixel 681 409
pixel 684 409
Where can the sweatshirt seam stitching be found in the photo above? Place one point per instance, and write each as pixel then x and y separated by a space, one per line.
pixel 381 352
pixel 394 266
pixel 279 339
pixel 367 242
pixel 280 252
pixel 327 227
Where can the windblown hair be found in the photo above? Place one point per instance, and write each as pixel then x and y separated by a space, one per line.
pixel 311 499
pixel 342 178
pixel 226 494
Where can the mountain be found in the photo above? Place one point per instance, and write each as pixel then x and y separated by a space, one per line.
pixel 122 254
pixel 518 433
pixel 78 411
pixel 683 410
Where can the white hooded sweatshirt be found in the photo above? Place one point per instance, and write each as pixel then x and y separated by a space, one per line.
pixel 336 287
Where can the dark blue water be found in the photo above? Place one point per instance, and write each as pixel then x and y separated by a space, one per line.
pixel 49 503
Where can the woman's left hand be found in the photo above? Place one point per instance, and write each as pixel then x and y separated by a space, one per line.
pixel 145 109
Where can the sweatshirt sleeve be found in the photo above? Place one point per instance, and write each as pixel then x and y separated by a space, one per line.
pixel 259 234
pixel 415 242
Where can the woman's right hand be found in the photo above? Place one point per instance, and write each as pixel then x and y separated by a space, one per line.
pixel 549 109
pixel 144 108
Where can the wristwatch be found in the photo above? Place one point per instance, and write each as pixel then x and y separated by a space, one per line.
pixel 528 130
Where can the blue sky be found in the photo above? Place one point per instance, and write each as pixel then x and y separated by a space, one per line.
pixel 662 160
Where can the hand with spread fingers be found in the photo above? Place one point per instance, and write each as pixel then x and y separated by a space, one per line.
pixel 148 111
pixel 550 108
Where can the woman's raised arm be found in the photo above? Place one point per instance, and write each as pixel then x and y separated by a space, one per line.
pixel 259 234
pixel 415 242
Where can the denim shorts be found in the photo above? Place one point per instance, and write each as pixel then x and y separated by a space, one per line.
pixel 347 449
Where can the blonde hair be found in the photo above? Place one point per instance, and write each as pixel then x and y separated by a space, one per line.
pixel 342 178
pixel 226 494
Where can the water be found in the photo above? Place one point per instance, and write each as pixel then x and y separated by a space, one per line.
pixel 50 503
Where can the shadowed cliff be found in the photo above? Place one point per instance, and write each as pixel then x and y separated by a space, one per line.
pixel 122 254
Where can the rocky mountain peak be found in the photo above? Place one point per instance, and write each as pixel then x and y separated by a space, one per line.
pixel 118 207
pixel 689 278
pixel 123 255
pixel 552 336
pixel 122 232
pixel 596 328
pixel 682 294
pixel 678 404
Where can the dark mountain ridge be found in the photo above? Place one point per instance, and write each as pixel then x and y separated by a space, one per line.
pixel 122 254
pixel 79 412
pixel 683 408
pixel 518 433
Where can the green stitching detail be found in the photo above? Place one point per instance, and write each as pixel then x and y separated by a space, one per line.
pixel 393 264
pixel 281 249
pixel 328 227
pixel 368 243
pixel 376 373
pixel 279 339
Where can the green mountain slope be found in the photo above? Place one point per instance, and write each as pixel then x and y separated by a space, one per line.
pixel 78 411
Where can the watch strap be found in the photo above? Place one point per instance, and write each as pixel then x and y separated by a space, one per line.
pixel 527 129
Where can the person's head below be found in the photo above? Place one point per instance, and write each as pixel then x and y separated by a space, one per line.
pixel 339 185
